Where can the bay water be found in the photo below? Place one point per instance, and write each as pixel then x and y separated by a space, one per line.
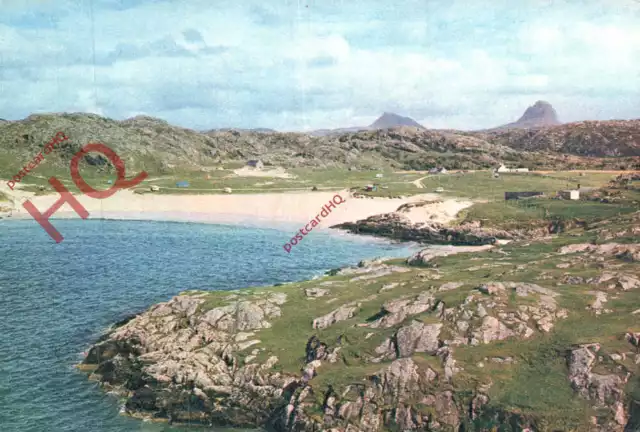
pixel 56 299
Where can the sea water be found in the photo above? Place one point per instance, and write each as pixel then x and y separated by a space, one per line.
pixel 56 299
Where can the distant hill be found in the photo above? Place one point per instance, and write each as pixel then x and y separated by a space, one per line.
pixel 609 138
pixel 259 130
pixel 154 145
pixel 390 120
pixel 538 115
pixel 385 121
pixel 340 131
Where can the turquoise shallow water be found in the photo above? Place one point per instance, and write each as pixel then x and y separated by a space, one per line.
pixel 58 298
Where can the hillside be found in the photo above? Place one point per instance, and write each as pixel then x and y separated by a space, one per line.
pixel 158 147
pixel 611 138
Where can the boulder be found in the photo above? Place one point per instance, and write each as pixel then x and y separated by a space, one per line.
pixel 316 292
pixel 418 337
pixel 344 312
pixel 491 330
pixel 492 288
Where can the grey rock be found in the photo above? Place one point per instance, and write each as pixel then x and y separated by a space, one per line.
pixel 316 292
pixel 343 313
pixel 418 337
pixel 491 329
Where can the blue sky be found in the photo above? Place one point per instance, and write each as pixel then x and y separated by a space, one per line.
pixel 310 64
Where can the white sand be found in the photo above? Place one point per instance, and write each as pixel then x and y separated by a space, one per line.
pixel 441 212
pixel 270 209
pixel 253 172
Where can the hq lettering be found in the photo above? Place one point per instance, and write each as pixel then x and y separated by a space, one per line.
pixel 326 209
pixel 36 160
pixel 67 197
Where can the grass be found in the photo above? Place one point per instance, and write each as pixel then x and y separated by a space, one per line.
pixel 482 185
pixel 511 214
pixel 475 185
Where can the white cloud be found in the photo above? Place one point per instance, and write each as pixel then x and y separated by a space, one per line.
pixel 330 65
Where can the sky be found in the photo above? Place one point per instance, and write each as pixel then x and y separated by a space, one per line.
pixel 299 65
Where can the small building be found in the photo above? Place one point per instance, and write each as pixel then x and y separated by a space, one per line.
pixel 182 184
pixel 438 170
pixel 379 175
pixel 503 169
pixel 257 164
pixel 517 195
pixel 570 194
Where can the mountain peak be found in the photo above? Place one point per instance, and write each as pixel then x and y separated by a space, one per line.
pixel 540 113
pixel 389 120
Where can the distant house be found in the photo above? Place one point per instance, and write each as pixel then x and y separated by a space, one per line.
pixel 517 195
pixel 570 194
pixel 503 169
pixel 257 164
pixel 438 170
pixel 182 184
pixel 379 175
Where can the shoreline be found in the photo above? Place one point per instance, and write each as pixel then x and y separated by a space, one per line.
pixel 281 211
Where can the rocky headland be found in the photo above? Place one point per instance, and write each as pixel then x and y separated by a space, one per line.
pixel 535 336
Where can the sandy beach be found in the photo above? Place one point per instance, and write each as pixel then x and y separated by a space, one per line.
pixel 269 209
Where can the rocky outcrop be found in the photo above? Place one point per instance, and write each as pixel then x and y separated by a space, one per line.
pixel 627 252
pixel 395 311
pixel 399 227
pixel 605 391
pixel 368 269
pixel 178 363
pixel 344 312
pixel 387 399
pixel 613 280
pixel 425 256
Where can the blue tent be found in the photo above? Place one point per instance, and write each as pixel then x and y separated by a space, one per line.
pixel 182 184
